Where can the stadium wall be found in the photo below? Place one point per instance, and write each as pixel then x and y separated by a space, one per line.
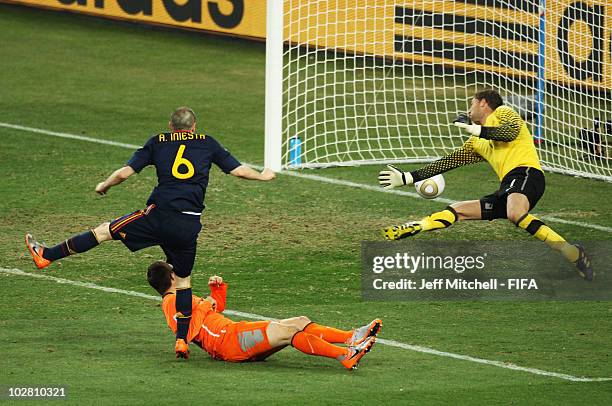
pixel 578 44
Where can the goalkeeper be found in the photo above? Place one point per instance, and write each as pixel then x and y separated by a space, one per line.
pixel 499 136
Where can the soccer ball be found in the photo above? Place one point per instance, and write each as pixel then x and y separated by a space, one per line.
pixel 430 188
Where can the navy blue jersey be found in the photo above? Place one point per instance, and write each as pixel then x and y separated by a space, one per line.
pixel 182 160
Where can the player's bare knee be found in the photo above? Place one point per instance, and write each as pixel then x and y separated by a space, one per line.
pixel 102 232
pixel 517 207
pixel 467 210
pixel 303 321
pixel 280 334
pixel 299 322
pixel 515 215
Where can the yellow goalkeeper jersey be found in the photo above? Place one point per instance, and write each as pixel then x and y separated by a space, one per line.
pixel 503 156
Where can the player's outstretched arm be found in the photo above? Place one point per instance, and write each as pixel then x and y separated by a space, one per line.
pixel 115 178
pixel 218 292
pixel 395 177
pixel 246 172
pixel 460 157
pixel 510 123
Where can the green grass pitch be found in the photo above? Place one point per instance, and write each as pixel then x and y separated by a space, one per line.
pixel 286 248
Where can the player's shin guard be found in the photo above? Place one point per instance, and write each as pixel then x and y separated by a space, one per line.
pixel 183 313
pixel 542 232
pixel 329 334
pixel 440 219
pixel 79 243
pixel 313 345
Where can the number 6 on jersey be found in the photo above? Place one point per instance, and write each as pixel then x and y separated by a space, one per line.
pixel 178 161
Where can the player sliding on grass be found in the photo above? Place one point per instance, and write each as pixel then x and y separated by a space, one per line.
pixel 182 159
pixel 499 136
pixel 242 341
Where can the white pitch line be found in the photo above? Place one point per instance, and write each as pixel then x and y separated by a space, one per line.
pixel 69 136
pixel 293 173
pixel 577 223
pixel 439 199
pixel 364 186
pixel 506 365
pixel 390 343
pixel 19 272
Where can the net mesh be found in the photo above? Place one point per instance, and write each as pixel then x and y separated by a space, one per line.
pixel 370 81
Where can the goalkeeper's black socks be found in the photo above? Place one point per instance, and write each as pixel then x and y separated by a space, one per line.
pixel 440 219
pixel 183 312
pixel 542 232
pixel 79 243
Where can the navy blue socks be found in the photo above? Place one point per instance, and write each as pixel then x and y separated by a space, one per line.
pixel 79 243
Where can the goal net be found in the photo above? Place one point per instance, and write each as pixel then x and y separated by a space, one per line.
pixel 373 81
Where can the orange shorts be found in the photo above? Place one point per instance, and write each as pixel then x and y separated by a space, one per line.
pixel 245 341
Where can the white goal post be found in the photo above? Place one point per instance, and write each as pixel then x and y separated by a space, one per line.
pixel 352 82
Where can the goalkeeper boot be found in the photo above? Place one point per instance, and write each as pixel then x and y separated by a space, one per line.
pixel 181 348
pixel 363 333
pixel 36 250
pixel 355 354
pixel 402 231
pixel 584 264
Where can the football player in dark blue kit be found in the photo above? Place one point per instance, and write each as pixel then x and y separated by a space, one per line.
pixel 182 159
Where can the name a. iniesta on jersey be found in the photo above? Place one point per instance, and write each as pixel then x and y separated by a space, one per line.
pixel 180 136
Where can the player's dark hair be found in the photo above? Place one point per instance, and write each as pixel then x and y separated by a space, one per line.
pixel 493 98
pixel 182 118
pixel 159 276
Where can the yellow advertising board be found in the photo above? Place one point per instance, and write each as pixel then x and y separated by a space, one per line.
pixel 236 17
pixel 488 35
pixel 579 42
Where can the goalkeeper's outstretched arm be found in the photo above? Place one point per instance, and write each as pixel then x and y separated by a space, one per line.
pixel 510 123
pixel 460 157
pixel 394 177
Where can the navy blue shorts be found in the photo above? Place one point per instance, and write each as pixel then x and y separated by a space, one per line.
pixel 176 233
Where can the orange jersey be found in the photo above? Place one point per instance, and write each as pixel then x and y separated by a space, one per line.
pixel 207 326
pixel 217 335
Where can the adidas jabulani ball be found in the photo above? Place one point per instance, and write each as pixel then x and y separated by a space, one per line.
pixel 430 188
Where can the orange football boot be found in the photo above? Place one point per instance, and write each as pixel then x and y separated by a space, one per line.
pixel 181 348
pixel 362 333
pixel 351 361
pixel 36 250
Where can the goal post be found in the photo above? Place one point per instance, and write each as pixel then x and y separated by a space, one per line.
pixel 351 82
pixel 274 84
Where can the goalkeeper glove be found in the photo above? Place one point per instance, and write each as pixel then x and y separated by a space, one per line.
pixel 463 121
pixel 473 129
pixel 463 118
pixel 394 177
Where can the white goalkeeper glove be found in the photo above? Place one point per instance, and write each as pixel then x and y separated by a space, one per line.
pixel 473 129
pixel 463 121
pixel 394 177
